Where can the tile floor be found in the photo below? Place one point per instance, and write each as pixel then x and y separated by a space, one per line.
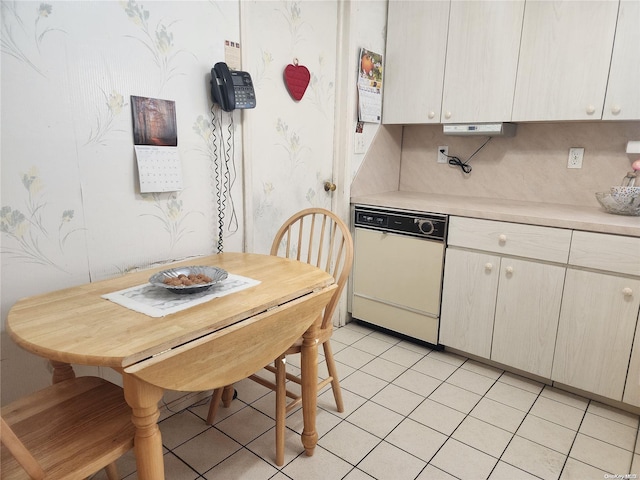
pixel 411 413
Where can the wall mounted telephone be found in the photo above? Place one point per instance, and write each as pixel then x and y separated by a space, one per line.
pixel 231 89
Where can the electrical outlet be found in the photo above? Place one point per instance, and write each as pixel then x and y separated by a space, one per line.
pixel 442 154
pixel 575 157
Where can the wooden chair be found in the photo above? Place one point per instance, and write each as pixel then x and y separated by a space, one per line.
pixel 319 237
pixel 69 430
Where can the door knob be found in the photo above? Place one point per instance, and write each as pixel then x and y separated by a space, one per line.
pixel 328 186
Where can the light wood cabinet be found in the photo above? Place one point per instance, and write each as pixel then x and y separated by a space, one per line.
pixel 564 61
pixel 632 386
pixel 468 301
pixel 488 61
pixel 623 91
pixel 557 303
pixel 531 241
pixel 482 60
pixel 480 41
pixel 497 306
pixel 414 61
pixel 595 334
pixel 527 312
pixel 599 314
pixel 599 251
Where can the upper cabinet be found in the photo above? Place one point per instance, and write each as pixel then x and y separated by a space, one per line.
pixel 522 61
pixel 479 43
pixel 482 60
pixel 564 60
pixel 414 61
pixel 623 91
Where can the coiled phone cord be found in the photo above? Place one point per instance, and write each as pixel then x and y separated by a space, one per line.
pixel 225 174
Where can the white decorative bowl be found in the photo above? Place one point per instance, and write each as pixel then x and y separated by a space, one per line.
pixel 619 205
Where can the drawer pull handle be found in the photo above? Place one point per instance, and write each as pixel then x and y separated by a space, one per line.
pixel 488 267
pixel 627 292
pixel 509 270
pixel 502 238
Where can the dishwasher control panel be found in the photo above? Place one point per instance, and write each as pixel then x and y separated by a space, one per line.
pixel 418 224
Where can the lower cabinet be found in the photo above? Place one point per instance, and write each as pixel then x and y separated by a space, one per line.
pixel 503 309
pixel 595 335
pixel 632 387
pixel 527 311
pixel 560 304
pixel 468 301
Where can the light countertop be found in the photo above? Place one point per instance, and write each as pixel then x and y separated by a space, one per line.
pixel 592 219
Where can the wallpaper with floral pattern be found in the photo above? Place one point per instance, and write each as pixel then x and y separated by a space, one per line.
pixel 291 142
pixel 70 208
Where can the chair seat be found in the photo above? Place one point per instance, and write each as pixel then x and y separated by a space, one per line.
pixel 73 428
pixel 323 336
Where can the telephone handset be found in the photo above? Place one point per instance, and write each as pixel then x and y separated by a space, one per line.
pixel 231 89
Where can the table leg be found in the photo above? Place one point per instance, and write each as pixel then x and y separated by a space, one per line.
pixel 61 371
pixel 143 399
pixel 309 366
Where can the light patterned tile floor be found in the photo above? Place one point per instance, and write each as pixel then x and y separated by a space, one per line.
pixel 410 413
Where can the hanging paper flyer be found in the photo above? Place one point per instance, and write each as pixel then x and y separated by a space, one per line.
pixel 369 87
pixel 158 168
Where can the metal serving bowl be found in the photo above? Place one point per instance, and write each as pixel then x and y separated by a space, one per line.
pixel 214 273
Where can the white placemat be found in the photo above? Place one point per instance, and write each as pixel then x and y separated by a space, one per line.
pixel 159 302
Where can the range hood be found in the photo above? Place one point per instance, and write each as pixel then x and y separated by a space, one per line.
pixel 484 129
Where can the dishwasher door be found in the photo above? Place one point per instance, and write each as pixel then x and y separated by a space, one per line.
pixel 397 282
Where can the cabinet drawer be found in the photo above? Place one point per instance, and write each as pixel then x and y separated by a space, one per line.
pixel 531 241
pixel 606 252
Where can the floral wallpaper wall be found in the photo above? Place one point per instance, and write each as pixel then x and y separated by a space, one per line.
pixel 71 208
pixel 291 143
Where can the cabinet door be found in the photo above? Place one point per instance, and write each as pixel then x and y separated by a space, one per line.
pixel 468 301
pixel 564 60
pixel 623 91
pixel 596 329
pixel 482 60
pixel 414 61
pixel 527 311
pixel 632 386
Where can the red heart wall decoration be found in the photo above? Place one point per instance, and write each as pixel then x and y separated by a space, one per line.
pixel 296 78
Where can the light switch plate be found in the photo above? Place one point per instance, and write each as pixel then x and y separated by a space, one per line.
pixel 359 146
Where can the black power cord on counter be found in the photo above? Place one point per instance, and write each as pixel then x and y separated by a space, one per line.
pixel 464 166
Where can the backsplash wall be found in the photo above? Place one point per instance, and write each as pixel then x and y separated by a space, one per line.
pixel 531 166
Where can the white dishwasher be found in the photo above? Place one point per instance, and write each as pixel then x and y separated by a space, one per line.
pixel 397 272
